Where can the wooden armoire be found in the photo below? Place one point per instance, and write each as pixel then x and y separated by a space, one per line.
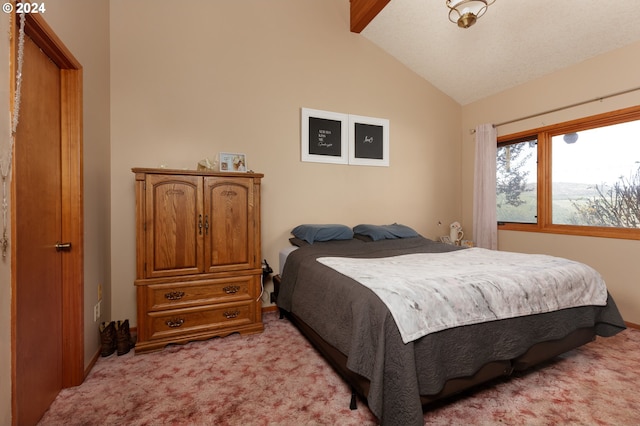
pixel 198 261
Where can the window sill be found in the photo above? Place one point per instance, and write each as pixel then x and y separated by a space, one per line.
pixel 585 231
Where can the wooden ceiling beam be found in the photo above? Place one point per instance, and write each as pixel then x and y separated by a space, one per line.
pixel 363 12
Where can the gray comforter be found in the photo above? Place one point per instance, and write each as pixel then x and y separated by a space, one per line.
pixel 353 319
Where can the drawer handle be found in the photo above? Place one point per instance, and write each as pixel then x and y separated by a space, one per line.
pixel 174 323
pixel 231 289
pixel 174 295
pixel 230 315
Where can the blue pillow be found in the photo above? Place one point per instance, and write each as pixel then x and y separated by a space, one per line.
pixel 311 233
pixel 384 232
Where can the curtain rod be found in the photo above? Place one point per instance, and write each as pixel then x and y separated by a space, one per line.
pixel 600 99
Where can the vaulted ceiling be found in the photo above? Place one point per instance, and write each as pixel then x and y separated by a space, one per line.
pixel 514 42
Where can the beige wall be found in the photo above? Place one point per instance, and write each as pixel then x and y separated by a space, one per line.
pixel 616 260
pixel 189 82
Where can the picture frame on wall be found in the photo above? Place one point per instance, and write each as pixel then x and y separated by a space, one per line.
pixel 232 162
pixel 324 136
pixel 368 141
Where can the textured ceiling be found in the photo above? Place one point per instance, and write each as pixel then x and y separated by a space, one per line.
pixel 514 42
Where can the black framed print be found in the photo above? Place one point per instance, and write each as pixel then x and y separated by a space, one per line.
pixel 324 136
pixel 368 141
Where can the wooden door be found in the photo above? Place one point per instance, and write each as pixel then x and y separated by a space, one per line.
pixel 47 328
pixel 230 242
pixel 175 225
pixel 39 224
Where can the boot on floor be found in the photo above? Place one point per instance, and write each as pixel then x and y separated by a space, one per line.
pixel 124 342
pixel 107 338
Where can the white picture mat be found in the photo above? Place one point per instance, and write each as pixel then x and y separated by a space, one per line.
pixel 306 114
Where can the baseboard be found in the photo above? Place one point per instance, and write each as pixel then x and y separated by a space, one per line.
pixel 632 325
pixel 270 308
pixel 93 361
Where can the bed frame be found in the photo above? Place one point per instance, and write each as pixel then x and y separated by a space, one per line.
pixel 536 354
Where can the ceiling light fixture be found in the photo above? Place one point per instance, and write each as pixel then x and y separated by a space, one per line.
pixel 465 13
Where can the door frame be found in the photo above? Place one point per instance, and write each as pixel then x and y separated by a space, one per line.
pixel 72 200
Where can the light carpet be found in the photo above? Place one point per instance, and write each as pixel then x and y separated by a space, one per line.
pixel 277 378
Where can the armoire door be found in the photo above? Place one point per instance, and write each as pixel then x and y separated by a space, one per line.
pixel 174 225
pixel 229 209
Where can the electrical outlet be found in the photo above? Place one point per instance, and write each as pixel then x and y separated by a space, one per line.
pixel 96 312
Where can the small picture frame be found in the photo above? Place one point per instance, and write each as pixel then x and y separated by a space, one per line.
pixel 368 141
pixel 324 136
pixel 232 162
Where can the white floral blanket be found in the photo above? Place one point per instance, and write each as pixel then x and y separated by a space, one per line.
pixel 429 292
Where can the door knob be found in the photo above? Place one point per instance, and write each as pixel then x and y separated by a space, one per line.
pixel 63 246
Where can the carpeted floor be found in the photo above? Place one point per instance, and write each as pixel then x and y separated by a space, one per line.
pixel 277 378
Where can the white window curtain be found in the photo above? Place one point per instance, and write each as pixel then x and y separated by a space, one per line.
pixel 485 227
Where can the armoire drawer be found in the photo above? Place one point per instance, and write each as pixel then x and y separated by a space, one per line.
pixel 183 294
pixel 201 319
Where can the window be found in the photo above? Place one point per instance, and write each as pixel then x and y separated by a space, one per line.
pixel 580 177
pixel 517 181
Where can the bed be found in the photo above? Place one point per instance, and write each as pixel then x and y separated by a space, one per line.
pixel 399 376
